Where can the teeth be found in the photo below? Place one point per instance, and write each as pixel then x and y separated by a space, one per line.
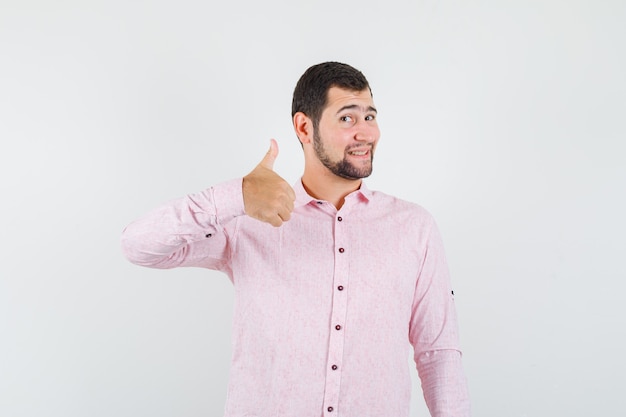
pixel 359 153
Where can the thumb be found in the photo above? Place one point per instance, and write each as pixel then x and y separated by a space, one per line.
pixel 270 156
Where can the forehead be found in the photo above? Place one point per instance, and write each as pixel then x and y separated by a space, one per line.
pixel 338 97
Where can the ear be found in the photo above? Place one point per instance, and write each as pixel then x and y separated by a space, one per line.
pixel 303 126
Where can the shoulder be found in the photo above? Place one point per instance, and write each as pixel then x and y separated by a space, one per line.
pixel 400 210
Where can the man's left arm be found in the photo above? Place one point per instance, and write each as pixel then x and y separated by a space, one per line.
pixel 434 335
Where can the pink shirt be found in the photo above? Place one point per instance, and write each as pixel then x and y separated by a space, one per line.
pixel 326 306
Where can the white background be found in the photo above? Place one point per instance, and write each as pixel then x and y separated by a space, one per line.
pixel 505 119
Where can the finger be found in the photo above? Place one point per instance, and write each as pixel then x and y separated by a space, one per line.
pixel 275 221
pixel 287 202
pixel 291 193
pixel 290 205
pixel 285 214
pixel 270 156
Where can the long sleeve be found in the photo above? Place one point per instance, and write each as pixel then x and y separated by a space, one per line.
pixel 434 336
pixel 189 231
pixel 443 383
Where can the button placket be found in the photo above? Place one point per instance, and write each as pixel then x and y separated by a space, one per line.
pixel 338 316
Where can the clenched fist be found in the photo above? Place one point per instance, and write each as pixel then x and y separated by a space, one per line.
pixel 266 196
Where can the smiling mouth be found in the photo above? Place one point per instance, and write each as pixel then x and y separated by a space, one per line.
pixel 358 153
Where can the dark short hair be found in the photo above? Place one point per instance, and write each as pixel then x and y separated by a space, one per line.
pixel 311 92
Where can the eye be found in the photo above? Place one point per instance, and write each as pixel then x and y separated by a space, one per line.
pixel 346 118
pixel 370 117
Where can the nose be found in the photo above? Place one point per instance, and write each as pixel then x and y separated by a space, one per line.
pixel 366 132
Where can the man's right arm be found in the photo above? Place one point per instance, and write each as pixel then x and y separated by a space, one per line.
pixel 191 231
pixel 186 232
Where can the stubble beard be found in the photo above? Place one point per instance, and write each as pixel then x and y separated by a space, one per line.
pixel 343 168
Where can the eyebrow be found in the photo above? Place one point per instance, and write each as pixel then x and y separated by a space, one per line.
pixel 355 106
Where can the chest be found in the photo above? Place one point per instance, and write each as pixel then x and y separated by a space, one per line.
pixel 379 256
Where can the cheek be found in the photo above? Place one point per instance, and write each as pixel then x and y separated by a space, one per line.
pixel 376 132
pixel 337 140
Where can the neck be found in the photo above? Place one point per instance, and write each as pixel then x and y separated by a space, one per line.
pixel 329 187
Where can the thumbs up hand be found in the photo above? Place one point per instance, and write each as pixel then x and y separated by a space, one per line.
pixel 266 196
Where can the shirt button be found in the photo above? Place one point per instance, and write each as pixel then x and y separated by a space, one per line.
pixel 320 202
pixel 338 327
pixel 330 409
pixel 341 250
pixel 334 367
pixel 340 218
pixel 340 288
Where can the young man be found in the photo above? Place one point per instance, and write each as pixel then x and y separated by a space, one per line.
pixel 333 282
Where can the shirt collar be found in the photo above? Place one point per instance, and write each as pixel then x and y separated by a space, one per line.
pixel 303 198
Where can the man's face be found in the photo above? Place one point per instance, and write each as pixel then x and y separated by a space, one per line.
pixel 347 134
